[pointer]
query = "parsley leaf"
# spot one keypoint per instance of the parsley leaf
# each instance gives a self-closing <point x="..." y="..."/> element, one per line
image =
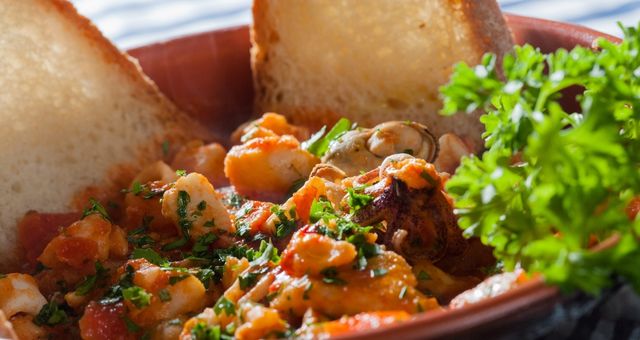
<point x="318" y="145"/>
<point x="95" y="208"/>
<point x="551" y="179"/>
<point x="286" y="223"/>
<point x="225" y="305"/>
<point x="50" y="315"/>
<point x="150" y="255"/>
<point x="202" y="331"/>
<point x="330" y="276"/>
<point x="90" y="281"/>
<point x="357" y="200"/>
<point x="137" y="295"/>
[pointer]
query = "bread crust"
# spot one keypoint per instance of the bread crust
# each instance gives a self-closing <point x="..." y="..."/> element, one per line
<point x="178" y="127"/>
<point x="487" y="22"/>
<point x="485" y="31"/>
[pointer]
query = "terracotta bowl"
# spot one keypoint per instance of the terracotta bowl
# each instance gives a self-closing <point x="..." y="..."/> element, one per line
<point x="209" y="76"/>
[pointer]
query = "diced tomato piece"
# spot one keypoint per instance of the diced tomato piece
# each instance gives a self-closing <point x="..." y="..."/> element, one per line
<point x="104" y="322"/>
<point x="36" y="230"/>
<point x="303" y="200"/>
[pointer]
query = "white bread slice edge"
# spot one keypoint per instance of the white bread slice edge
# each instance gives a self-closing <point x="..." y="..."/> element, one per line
<point x="75" y="113"/>
<point x="371" y="61"/>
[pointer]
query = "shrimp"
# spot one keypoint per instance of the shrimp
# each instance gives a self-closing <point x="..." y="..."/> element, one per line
<point x="206" y="159"/>
<point x="84" y="242"/>
<point x="19" y="294"/>
<point x="268" y="167"/>
<point x="172" y="293"/>
<point x="388" y="277"/>
<point x="194" y="207"/>
<point x="270" y="124"/>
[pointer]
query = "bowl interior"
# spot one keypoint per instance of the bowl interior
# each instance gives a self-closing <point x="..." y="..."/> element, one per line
<point x="208" y="75"/>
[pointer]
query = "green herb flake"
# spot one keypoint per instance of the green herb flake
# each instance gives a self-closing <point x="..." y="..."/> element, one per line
<point x="50" y="315"/>
<point x="357" y="200"/>
<point x="137" y="295"/>
<point x="286" y="223"/>
<point x="225" y="305"/>
<point x="164" y="295"/>
<point x="150" y="255"/>
<point x="89" y="282"/>
<point x="95" y="208"/>
<point x="330" y="276"/>
<point x="181" y="173"/>
<point x="247" y="280"/>
<point x="175" y="279"/>
<point x="319" y="145"/>
<point x="202" y="331"/>
<point x="132" y="327"/>
<point x="423" y="276"/>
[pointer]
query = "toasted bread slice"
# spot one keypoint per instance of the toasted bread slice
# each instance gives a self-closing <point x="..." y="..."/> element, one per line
<point x="76" y="113"/>
<point x="370" y="61"/>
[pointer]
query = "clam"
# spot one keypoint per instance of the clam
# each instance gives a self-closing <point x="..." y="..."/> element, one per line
<point x="365" y="149"/>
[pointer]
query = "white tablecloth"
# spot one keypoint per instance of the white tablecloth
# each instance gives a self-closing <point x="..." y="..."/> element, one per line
<point x="133" y="23"/>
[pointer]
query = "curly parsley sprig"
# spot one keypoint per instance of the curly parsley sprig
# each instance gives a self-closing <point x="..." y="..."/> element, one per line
<point x="551" y="181"/>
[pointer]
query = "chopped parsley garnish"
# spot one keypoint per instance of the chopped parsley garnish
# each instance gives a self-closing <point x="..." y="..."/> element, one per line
<point x="357" y="200"/>
<point x="319" y="145"/>
<point x="164" y="295"/>
<point x="137" y="295"/>
<point x="136" y="188"/>
<point x="132" y="327"/>
<point x="184" y="222"/>
<point x="115" y="292"/>
<point x="423" y="276"/>
<point x="181" y="173"/>
<point x="95" y="208"/>
<point x="205" y="275"/>
<point x="225" y="305"/>
<point x="89" y="282"/>
<point x="202" y="331"/>
<point x="321" y="208"/>
<point x="175" y="279"/>
<point x="267" y="252"/>
<point x="330" y="276"/>
<point x="235" y="201"/>
<point x="50" y="315"/>
<point x="138" y="237"/>
<point x="247" y="280"/>
<point x="285" y="224"/>
<point x="203" y="242"/>
<point x="150" y="255"/>
<point x="552" y="179"/>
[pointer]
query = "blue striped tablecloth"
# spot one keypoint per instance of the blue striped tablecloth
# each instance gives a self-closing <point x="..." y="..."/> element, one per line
<point x="132" y="23"/>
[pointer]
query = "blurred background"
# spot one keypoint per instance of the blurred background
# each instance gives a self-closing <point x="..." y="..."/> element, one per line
<point x="132" y="23"/>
